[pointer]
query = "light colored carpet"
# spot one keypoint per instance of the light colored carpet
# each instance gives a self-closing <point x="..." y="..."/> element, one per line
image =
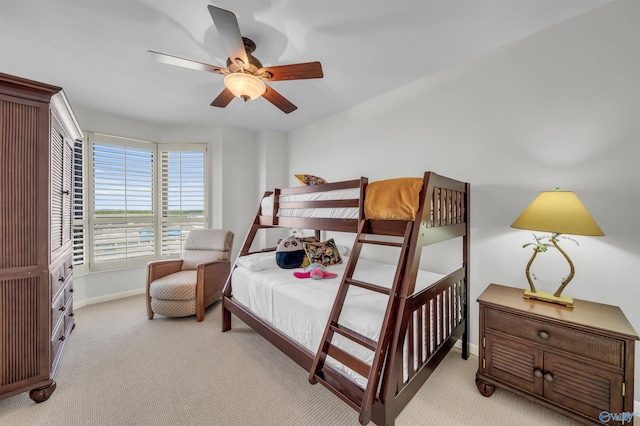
<point x="121" y="369"/>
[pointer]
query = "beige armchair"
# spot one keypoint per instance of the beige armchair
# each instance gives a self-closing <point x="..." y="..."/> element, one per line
<point x="187" y="286"/>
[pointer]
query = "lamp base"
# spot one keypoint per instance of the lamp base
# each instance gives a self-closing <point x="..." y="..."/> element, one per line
<point x="549" y="297"/>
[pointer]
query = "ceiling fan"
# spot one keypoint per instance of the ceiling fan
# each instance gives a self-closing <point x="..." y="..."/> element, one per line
<point x="245" y="76"/>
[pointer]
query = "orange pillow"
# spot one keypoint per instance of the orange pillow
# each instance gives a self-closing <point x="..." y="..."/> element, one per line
<point x="393" y="199"/>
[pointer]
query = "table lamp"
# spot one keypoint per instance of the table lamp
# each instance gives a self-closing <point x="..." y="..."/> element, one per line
<point x="558" y="212"/>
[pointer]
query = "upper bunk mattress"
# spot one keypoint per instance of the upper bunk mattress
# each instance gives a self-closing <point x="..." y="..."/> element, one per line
<point x="391" y="199"/>
<point x="300" y="308"/>
<point x="334" y="213"/>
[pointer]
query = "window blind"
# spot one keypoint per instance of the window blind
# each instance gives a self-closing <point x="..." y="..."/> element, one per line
<point x="79" y="216"/>
<point x="122" y="191"/>
<point x="182" y="203"/>
<point x="135" y="201"/>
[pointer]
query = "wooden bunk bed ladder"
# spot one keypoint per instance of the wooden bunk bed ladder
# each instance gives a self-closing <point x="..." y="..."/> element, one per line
<point x="361" y="402"/>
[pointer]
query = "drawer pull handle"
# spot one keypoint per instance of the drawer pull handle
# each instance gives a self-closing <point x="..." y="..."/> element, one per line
<point x="61" y="279"/>
<point x="70" y="290"/>
<point x="543" y="334"/>
<point x="538" y="373"/>
<point x="70" y="266"/>
<point x="65" y="192"/>
<point x="548" y="377"/>
<point x="71" y="314"/>
<point x="61" y="338"/>
<point x="62" y="308"/>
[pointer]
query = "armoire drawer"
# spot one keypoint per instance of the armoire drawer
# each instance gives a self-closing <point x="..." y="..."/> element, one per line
<point x="69" y="316"/>
<point x="598" y="348"/>
<point x="57" y="338"/>
<point x="58" y="307"/>
<point x="60" y="274"/>
<point x="68" y="291"/>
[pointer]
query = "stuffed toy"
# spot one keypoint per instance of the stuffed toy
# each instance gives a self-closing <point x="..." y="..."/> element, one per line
<point x="290" y="254"/>
<point x="315" y="271"/>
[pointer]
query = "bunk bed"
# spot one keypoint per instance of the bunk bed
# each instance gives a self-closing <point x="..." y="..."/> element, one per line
<point x="416" y="316"/>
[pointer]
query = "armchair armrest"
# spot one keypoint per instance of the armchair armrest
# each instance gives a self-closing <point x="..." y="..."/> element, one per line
<point x="211" y="279"/>
<point x="162" y="268"/>
<point x="214" y="267"/>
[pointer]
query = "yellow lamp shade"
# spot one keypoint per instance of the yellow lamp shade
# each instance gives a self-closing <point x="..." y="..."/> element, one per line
<point x="558" y="212"/>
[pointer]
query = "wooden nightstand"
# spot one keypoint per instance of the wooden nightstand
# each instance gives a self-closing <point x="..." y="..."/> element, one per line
<point x="577" y="361"/>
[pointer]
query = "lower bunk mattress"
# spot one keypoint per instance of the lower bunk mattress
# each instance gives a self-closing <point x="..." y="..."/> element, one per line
<point x="300" y="308"/>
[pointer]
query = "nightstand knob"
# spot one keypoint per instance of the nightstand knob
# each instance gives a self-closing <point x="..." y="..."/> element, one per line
<point x="538" y="373"/>
<point x="548" y="377"/>
<point x="543" y="334"/>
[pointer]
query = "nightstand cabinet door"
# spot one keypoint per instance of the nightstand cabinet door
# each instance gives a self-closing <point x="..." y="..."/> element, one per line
<point x="582" y="386"/>
<point x="514" y="363"/>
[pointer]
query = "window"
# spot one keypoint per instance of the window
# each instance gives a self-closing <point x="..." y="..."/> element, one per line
<point x="182" y="204"/>
<point x="141" y="200"/>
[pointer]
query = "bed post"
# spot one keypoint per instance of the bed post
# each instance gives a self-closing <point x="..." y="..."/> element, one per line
<point x="466" y="261"/>
<point x="244" y="250"/>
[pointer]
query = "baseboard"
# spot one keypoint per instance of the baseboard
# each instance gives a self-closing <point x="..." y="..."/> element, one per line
<point x="93" y="300"/>
<point x="473" y="349"/>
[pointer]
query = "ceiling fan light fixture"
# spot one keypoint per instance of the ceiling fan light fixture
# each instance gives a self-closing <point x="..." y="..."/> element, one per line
<point x="245" y="86"/>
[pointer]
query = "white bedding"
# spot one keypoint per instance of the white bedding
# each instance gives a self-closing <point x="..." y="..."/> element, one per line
<point x="335" y="213"/>
<point x="300" y="307"/>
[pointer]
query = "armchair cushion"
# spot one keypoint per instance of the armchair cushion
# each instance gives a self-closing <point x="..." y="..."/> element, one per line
<point x="174" y="308"/>
<point x="177" y="286"/>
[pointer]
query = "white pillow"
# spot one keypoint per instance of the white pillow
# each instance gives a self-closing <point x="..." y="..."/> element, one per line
<point x="259" y="261"/>
<point x="342" y="249"/>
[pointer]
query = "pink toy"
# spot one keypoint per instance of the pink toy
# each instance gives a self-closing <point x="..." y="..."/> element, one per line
<point x="315" y="271"/>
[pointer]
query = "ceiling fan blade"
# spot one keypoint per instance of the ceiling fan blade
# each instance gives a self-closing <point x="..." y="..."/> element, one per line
<point x="187" y="63"/>
<point x="227" y="25"/>
<point x="278" y="100"/>
<point x="223" y="98"/>
<point x="293" y="71"/>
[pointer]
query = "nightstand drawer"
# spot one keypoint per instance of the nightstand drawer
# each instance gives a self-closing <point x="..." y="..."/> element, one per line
<point x="592" y="346"/>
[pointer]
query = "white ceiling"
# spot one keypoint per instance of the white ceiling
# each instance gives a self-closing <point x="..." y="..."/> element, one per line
<point x="97" y="50"/>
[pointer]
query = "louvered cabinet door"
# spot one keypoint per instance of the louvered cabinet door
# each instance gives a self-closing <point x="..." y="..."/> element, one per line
<point x="585" y="387"/>
<point x="514" y="362"/>
<point x="24" y="281"/>
<point x="61" y="190"/>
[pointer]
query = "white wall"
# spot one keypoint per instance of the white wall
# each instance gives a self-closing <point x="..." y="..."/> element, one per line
<point x="559" y="108"/>
<point x="235" y="186"/>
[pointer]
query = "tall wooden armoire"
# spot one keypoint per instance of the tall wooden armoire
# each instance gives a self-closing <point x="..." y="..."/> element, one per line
<point x="37" y="134"/>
